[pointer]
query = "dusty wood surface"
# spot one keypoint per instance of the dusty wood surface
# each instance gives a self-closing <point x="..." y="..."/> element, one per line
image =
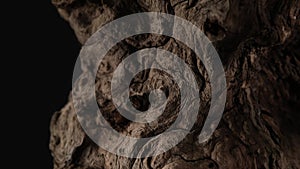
<point x="258" y="42"/>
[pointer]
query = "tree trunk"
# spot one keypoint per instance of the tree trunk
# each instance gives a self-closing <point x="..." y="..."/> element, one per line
<point x="259" y="46"/>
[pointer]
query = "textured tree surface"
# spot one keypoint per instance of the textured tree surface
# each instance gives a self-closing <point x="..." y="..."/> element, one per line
<point x="259" y="45"/>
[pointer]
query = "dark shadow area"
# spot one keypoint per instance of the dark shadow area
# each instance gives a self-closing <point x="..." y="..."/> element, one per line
<point x="49" y="51"/>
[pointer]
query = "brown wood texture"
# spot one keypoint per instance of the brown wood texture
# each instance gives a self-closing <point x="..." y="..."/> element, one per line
<point x="259" y="44"/>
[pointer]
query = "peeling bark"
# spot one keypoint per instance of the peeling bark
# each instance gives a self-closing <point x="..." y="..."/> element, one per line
<point x="258" y="42"/>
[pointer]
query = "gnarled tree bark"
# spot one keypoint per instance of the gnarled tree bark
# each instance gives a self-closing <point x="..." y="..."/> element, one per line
<point x="258" y="42"/>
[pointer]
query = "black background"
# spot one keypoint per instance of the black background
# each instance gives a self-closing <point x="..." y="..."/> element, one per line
<point x="61" y="55"/>
<point x="43" y="50"/>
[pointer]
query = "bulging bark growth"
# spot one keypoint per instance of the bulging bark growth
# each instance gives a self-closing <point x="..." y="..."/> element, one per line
<point x="258" y="42"/>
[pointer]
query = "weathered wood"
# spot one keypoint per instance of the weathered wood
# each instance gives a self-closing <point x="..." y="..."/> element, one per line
<point x="258" y="42"/>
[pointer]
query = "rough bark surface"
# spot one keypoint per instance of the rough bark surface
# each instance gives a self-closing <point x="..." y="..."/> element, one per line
<point x="258" y="42"/>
